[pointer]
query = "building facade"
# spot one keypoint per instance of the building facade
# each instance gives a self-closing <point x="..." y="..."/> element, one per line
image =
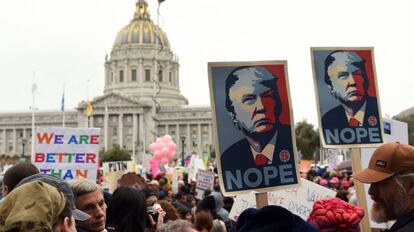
<point x="141" y="100"/>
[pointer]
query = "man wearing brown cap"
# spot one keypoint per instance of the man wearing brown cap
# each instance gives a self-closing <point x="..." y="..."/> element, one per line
<point x="391" y="175"/>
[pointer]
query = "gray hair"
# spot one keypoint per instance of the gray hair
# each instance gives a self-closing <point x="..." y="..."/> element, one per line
<point x="179" y="225"/>
<point x="404" y="180"/>
<point x="81" y="187"/>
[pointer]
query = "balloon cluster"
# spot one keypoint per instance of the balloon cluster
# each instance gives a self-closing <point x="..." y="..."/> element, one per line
<point x="163" y="149"/>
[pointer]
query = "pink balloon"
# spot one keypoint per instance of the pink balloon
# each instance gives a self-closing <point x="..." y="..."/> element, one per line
<point x="152" y="147"/>
<point x="171" y="155"/>
<point x="171" y="145"/>
<point x="164" y="160"/>
<point x="157" y="155"/>
<point x="165" y="151"/>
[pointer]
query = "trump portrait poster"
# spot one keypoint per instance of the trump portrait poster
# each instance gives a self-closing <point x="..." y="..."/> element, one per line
<point x="347" y="97"/>
<point x="255" y="144"/>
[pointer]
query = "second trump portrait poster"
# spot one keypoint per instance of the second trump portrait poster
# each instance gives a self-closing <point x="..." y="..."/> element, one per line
<point x="347" y="97"/>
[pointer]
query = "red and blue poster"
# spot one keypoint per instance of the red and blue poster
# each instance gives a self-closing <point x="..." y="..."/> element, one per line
<point x="252" y="115"/>
<point x="347" y="97"/>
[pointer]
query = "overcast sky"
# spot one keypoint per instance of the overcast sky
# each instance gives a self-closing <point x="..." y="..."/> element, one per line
<point x="65" y="42"/>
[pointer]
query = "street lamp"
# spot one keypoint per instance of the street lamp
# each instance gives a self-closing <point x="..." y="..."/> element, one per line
<point x="182" y="152"/>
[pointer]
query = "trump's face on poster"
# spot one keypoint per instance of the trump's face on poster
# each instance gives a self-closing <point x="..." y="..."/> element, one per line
<point x="253" y="102"/>
<point x="346" y="77"/>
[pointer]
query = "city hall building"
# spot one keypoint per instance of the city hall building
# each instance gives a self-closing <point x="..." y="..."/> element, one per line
<point x="141" y="100"/>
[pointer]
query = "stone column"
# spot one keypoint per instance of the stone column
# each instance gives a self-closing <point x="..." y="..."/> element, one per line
<point x="14" y="140"/>
<point x="210" y="133"/>
<point x="4" y="141"/>
<point x="141" y="72"/>
<point x="120" y="130"/>
<point x="106" y="127"/>
<point x="91" y="121"/>
<point x="200" y="145"/>
<point x="134" y="132"/>
<point x="189" y="145"/>
<point x="141" y="131"/>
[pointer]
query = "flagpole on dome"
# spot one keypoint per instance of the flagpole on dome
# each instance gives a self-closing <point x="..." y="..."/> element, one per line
<point x="88" y="106"/>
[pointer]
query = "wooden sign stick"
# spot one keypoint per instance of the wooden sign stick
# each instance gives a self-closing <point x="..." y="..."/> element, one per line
<point x="261" y="200"/>
<point x="359" y="188"/>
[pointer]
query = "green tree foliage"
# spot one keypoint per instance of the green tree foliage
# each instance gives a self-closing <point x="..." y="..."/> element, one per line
<point x="115" y="153"/>
<point x="307" y="139"/>
<point x="409" y="119"/>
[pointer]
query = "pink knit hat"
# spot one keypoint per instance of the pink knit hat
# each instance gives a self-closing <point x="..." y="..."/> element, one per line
<point x="335" y="215"/>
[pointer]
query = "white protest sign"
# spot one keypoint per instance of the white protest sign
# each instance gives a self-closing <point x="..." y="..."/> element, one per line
<point x="67" y="152"/>
<point x="205" y="180"/>
<point x="297" y="200"/>
<point x="114" y="170"/>
<point x="175" y="181"/>
<point x="195" y="164"/>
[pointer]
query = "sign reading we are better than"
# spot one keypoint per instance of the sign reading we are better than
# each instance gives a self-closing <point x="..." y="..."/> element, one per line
<point x="67" y="152"/>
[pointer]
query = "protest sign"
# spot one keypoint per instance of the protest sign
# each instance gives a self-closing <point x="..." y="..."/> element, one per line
<point x="253" y="122"/>
<point x="114" y="170"/>
<point x="67" y="152"/>
<point x="347" y="97"/>
<point x="196" y="163"/>
<point x="175" y="180"/>
<point x="298" y="200"/>
<point x="205" y="180"/>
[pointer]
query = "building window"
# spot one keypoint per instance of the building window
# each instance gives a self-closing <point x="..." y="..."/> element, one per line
<point x="121" y="75"/>
<point x="114" y="131"/>
<point x="170" y="77"/>
<point x="160" y="76"/>
<point x="133" y="75"/>
<point x="147" y="75"/>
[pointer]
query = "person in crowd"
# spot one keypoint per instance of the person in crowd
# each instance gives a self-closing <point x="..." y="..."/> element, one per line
<point x="218" y="226"/>
<point x="228" y="203"/>
<point x="132" y="179"/>
<point x="221" y="212"/>
<point x="89" y="198"/>
<point x="127" y="210"/>
<point x="15" y="174"/>
<point x="391" y="175"/>
<point x="203" y="221"/>
<point x="271" y="218"/>
<point x="63" y="187"/>
<point x="36" y="206"/>
<point x="208" y="204"/>
<point x="180" y="200"/>
<point x="176" y="226"/>
<point x="151" y="196"/>
<point x="335" y="215"/>
<point x="185" y="214"/>
<point x="171" y="212"/>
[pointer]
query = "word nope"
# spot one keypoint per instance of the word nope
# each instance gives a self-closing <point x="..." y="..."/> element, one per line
<point x="52" y="138"/>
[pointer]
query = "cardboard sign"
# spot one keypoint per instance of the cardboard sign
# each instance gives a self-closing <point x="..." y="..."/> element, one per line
<point x="113" y="171"/>
<point x="253" y="123"/>
<point x="67" y="153"/>
<point x="347" y="97"/>
<point x="297" y="200"/>
<point x="205" y="180"/>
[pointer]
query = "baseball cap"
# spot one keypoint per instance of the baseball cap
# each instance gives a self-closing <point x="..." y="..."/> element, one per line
<point x="63" y="187"/>
<point x="388" y="160"/>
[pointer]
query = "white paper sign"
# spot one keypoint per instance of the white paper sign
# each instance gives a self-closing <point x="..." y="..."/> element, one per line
<point x="205" y="180"/>
<point x="67" y="152"/>
<point x="175" y="181"/>
<point x="297" y="200"/>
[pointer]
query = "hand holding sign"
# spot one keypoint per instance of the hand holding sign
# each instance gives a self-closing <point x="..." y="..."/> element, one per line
<point x="163" y="149"/>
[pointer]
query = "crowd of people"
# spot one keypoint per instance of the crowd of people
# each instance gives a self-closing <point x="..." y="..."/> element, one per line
<point x="39" y="202"/>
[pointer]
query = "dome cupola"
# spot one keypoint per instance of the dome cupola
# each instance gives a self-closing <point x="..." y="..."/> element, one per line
<point x="141" y="30"/>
